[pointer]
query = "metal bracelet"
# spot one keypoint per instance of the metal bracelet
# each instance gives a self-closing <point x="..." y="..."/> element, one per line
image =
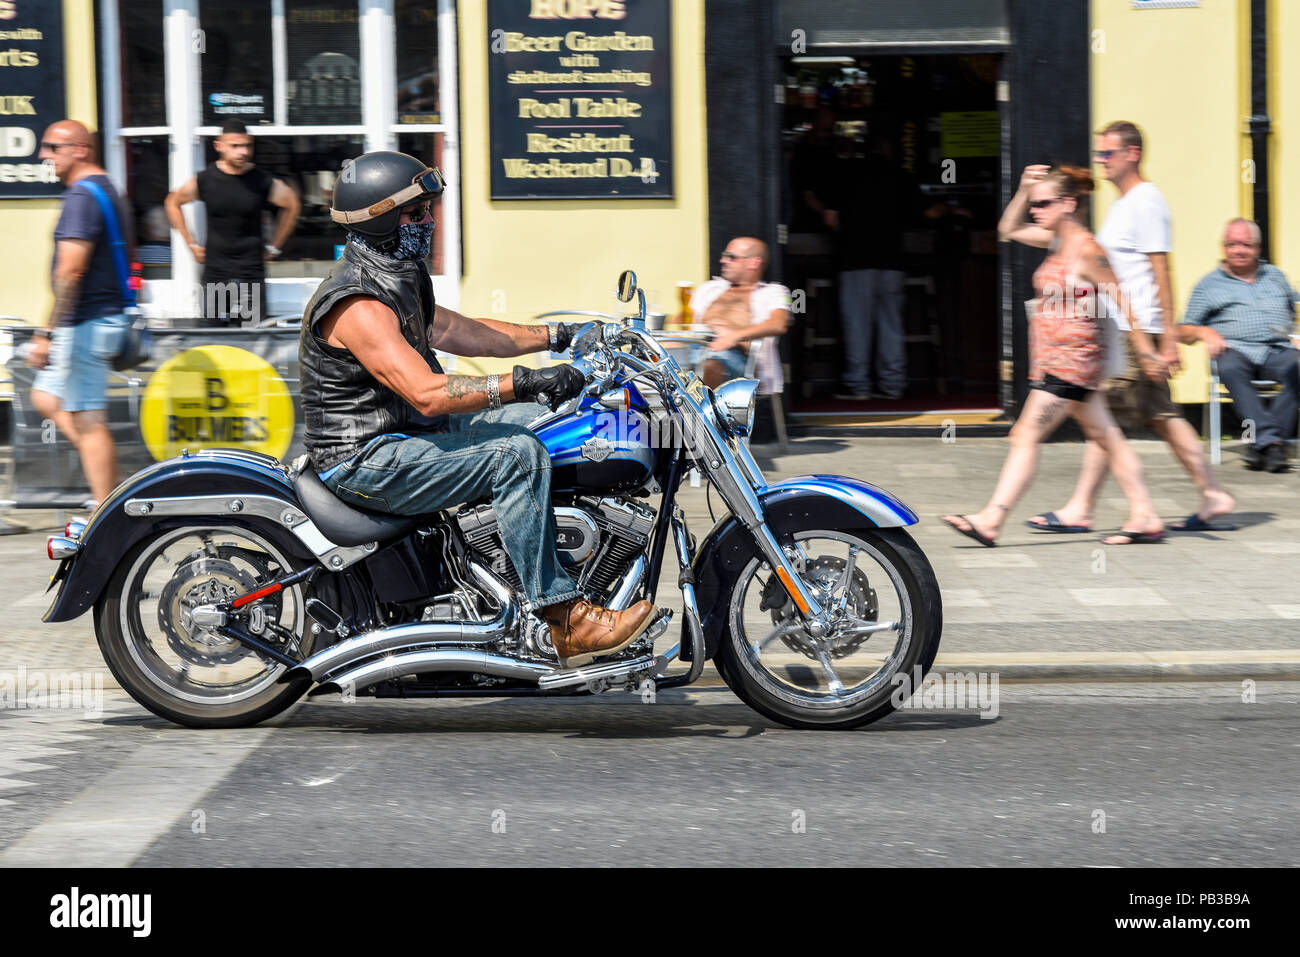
<point x="551" y="329"/>
<point x="494" y="391"/>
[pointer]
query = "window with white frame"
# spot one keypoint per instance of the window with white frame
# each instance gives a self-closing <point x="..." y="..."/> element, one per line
<point x="316" y="82"/>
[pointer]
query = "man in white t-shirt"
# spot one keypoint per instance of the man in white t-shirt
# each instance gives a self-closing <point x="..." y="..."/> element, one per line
<point x="745" y="313"/>
<point x="1137" y="239"/>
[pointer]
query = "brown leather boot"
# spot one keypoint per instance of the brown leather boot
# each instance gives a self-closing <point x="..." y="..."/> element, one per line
<point x="582" y="631"/>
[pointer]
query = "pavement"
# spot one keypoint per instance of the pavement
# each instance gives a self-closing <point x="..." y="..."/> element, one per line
<point x="1039" y="607"/>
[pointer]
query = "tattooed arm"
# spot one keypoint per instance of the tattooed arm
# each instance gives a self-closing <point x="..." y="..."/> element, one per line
<point x="463" y="336"/>
<point x="72" y="259"/>
<point x="370" y="331"/>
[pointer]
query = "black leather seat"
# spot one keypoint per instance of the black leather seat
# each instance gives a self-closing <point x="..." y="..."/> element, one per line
<point x="341" y="523"/>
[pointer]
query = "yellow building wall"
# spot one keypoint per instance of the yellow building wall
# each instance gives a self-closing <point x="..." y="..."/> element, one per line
<point x="27" y="225"/>
<point x="1178" y="74"/>
<point x="1284" y="107"/>
<point x="522" y="257"/>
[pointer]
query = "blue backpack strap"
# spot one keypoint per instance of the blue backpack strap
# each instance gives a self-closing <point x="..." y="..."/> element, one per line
<point x="114" y="237"/>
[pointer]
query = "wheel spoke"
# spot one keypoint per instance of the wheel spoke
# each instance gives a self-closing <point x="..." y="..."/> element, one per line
<point x="868" y="627"/>
<point x="833" y="683"/>
<point x="780" y="631"/>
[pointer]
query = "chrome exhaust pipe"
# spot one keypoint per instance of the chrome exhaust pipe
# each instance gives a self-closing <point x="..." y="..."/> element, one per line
<point x="580" y="676"/>
<point x="628" y="585"/>
<point x="470" y="661"/>
<point x="464" y="660"/>
<point x="398" y="638"/>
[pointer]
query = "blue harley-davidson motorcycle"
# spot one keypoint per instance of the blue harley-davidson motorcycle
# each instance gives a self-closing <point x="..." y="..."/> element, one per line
<point x="225" y="584"/>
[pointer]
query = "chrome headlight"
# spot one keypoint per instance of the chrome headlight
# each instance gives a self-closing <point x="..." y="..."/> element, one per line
<point x="734" y="402"/>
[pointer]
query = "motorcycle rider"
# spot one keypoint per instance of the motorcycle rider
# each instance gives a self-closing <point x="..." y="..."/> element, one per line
<point x="387" y="430"/>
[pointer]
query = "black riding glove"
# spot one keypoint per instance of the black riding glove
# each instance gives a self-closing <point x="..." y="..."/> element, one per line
<point x="562" y="335"/>
<point x="555" y="384"/>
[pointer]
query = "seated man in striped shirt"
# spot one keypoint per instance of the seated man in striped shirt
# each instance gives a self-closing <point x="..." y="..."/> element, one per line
<point x="1244" y="312"/>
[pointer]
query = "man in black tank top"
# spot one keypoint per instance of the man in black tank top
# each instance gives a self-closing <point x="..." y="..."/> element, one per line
<point x="387" y="430"/>
<point x="235" y="192"/>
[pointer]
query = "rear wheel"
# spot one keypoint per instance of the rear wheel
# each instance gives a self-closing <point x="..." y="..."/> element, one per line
<point x="886" y="614"/>
<point x="185" y="671"/>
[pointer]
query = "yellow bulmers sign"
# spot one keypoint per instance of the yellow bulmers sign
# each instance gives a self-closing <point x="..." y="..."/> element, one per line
<point x="216" y="397"/>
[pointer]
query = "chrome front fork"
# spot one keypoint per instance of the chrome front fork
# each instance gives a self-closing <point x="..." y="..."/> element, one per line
<point x="725" y="471"/>
<point x="739" y="479"/>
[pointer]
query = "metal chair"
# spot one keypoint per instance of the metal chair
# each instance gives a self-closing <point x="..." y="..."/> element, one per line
<point x="1267" y="388"/>
<point x="778" y="406"/>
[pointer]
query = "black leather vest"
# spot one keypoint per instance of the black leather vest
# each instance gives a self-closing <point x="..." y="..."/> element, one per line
<point x="344" y="406"/>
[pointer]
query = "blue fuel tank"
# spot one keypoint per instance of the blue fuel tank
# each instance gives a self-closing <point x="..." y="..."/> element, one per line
<point x="599" y="450"/>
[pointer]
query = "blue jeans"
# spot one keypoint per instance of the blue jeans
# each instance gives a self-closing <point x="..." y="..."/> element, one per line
<point x="489" y="454"/>
<point x="734" y="360"/>
<point x="871" y="309"/>
<point x="1273" y="422"/>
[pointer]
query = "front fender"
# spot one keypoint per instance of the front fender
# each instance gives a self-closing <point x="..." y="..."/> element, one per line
<point x="803" y="502"/>
<point x="111" y="533"/>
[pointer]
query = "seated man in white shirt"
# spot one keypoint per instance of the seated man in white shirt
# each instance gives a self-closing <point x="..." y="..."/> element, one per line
<point x="744" y="312"/>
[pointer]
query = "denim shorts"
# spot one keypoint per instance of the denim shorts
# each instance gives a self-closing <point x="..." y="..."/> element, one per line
<point x="80" y="356"/>
<point x="734" y="360"/>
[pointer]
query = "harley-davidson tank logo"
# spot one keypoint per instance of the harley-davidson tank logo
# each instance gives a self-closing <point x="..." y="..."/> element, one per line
<point x="597" y="449"/>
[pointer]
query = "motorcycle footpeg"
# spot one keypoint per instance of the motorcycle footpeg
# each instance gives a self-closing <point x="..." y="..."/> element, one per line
<point x="663" y="618"/>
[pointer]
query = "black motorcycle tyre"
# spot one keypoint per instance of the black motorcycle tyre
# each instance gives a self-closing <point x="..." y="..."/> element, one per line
<point x="898" y="547"/>
<point x="113" y="645"/>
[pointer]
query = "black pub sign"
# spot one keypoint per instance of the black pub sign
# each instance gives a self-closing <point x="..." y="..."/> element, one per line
<point x="31" y="94"/>
<point x="580" y="99"/>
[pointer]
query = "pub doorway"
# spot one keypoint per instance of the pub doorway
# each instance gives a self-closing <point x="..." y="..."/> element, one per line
<point x="933" y="122"/>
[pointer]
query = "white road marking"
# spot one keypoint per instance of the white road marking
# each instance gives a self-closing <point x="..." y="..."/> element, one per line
<point x="1274" y="548"/>
<point x="118" y="817"/>
<point x="1136" y="597"/>
<point x="996" y="559"/>
<point x="964" y="598"/>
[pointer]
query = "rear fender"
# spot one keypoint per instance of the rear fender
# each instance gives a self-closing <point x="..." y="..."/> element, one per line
<point x="115" y="528"/>
<point x="804" y="502"/>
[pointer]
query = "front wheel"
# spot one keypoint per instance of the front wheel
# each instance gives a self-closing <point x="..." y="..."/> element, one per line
<point x="887" y="617"/>
<point x="180" y="669"/>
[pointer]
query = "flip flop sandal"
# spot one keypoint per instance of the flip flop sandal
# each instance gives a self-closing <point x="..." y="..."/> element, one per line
<point x="1194" y="523"/>
<point x="971" y="532"/>
<point x="1136" y="538"/>
<point x="1051" y="523"/>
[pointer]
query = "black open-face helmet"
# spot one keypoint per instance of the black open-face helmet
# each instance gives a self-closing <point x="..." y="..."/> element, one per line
<point x="372" y="189"/>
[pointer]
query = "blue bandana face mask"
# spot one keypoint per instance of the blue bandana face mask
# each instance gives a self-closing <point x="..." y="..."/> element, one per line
<point x="413" y="242"/>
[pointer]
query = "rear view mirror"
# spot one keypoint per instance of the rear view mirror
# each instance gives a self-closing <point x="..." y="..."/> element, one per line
<point x="626" y="286"/>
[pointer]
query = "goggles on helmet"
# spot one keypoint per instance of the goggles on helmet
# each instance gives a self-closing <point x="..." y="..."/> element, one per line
<point x="426" y="183"/>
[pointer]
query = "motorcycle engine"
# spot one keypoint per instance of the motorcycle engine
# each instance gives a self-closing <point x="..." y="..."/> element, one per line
<point x="596" y="538"/>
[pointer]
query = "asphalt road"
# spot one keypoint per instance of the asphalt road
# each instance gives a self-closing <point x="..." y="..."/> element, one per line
<point x="1165" y="774"/>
